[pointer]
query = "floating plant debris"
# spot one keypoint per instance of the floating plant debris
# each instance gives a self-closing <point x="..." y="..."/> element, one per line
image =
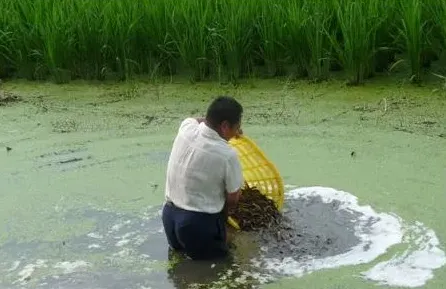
<point x="255" y="211"/>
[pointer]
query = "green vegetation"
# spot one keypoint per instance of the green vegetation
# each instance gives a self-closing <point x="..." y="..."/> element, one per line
<point x="225" y="40"/>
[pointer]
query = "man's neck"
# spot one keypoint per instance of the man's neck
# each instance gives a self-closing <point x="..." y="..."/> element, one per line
<point x="213" y="128"/>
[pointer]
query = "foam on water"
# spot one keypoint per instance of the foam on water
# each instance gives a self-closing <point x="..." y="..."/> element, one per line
<point x="28" y="271"/>
<point x="95" y="236"/>
<point x="377" y="232"/>
<point x="414" y="267"/>
<point x="14" y="266"/>
<point x="70" y="267"/>
<point x="94" y="246"/>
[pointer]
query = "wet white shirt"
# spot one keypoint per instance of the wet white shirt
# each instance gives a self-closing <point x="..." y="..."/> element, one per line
<point x="202" y="168"/>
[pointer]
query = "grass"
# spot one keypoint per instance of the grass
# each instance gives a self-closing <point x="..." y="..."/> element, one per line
<point x="413" y="31"/>
<point x="224" y="40"/>
<point x="358" y="23"/>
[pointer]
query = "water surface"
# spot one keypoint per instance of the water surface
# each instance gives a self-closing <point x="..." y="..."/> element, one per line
<point x="83" y="183"/>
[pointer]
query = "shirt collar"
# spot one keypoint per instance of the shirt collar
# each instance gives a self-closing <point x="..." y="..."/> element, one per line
<point x="209" y="132"/>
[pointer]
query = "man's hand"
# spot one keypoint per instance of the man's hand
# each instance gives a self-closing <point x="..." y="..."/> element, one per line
<point x="239" y="133"/>
<point x="232" y="199"/>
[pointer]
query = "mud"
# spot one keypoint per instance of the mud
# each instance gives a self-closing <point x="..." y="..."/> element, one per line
<point x="8" y="98"/>
<point x="310" y="228"/>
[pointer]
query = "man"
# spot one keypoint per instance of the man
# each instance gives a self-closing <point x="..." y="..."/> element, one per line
<point x="204" y="178"/>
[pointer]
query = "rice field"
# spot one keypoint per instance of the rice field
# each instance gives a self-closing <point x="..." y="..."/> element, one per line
<point x="219" y="39"/>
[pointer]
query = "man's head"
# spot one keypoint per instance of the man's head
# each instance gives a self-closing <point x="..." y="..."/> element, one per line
<point x="224" y="115"/>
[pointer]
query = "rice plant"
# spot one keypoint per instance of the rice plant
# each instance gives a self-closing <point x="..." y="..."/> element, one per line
<point x="157" y="50"/>
<point x="55" y="29"/>
<point x="437" y="9"/>
<point x="437" y="12"/>
<point x="358" y="23"/>
<point x="191" y="26"/>
<point x="6" y="41"/>
<point x="413" y="30"/>
<point x="385" y="52"/>
<point x="226" y="39"/>
<point x="120" y="32"/>
<point x="27" y="43"/>
<point x="234" y="36"/>
<point x="319" y="20"/>
<point x="271" y="29"/>
<point x="90" y="48"/>
<point x="6" y="44"/>
<point x="297" y="49"/>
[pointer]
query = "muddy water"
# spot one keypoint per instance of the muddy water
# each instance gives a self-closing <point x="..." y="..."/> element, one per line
<point x="311" y="228"/>
<point x="124" y="251"/>
<point x="82" y="183"/>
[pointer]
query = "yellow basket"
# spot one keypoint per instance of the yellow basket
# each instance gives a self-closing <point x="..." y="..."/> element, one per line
<point x="258" y="171"/>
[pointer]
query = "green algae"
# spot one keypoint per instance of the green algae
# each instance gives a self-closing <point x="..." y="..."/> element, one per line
<point x="397" y="135"/>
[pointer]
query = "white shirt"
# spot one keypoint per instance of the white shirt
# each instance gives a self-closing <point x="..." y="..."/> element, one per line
<point x="202" y="168"/>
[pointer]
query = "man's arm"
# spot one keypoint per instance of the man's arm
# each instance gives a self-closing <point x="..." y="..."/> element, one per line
<point x="232" y="199"/>
<point x="233" y="180"/>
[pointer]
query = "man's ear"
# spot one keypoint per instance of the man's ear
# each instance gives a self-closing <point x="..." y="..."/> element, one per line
<point x="225" y="124"/>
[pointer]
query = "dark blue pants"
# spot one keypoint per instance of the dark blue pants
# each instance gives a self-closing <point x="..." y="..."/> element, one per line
<point x="200" y="235"/>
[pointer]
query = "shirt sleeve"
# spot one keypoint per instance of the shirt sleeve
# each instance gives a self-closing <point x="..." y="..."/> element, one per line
<point x="233" y="174"/>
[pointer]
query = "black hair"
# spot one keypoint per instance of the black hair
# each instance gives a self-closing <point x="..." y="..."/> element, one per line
<point x="224" y="108"/>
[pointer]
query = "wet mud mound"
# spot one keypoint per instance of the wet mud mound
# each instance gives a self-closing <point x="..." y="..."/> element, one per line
<point x="309" y="227"/>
